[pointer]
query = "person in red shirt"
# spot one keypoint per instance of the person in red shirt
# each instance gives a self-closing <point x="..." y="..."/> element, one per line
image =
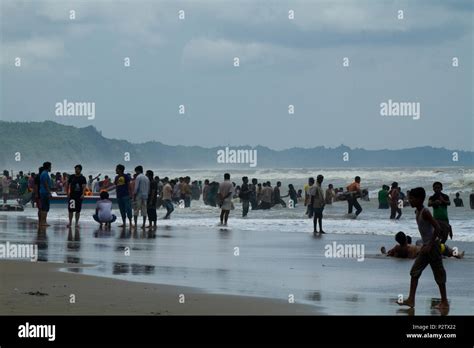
<point x="354" y="190"/>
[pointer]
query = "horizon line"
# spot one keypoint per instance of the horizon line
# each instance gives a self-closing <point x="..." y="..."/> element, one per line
<point x="243" y="146"/>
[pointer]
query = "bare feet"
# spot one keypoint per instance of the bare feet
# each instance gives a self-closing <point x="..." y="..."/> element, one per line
<point x="442" y="305"/>
<point x="407" y="302"/>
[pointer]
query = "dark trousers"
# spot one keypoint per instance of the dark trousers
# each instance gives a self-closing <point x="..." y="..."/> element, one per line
<point x="280" y="201"/>
<point x="187" y="201"/>
<point x="151" y="213"/>
<point x="253" y="203"/>
<point x="245" y="207"/>
<point x="309" y="210"/>
<point x="125" y="207"/>
<point x="352" y="203"/>
<point x="169" y="207"/>
<point x="395" y="211"/>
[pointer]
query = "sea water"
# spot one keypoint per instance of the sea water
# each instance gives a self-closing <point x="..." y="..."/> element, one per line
<point x="271" y="253"/>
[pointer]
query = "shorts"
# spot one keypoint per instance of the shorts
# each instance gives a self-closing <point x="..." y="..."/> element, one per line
<point x="139" y="204"/>
<point x="74" y="204"/>
<point x="96" y="218"/>
<point x="432" y="258"/>
<point x="44" y="199"/>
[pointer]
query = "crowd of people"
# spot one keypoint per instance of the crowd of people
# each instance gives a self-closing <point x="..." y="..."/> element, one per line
<point x="142" y="193"/>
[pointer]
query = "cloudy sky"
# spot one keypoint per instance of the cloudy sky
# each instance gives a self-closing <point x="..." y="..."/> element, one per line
<point x="283" y="61"/>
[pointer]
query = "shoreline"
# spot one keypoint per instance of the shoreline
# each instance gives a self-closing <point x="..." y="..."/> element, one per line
<point x="30" y="288"/>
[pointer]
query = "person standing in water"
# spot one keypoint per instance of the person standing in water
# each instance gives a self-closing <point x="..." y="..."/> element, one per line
<point x="307" y="197"/>
<point x="76" y="187"/>
<point x="152" y="200"/>
<point x="5" y="186"/>
<point x="266" y="197"/>
<point x="245" y="196"/>
<point x="293" y="196"/>
<point x="205" y="192"/>
<point x="330" y="194"/>
<point x="440" y="202"/>
<point x="383" y="197"/>
<point x="124" y="192"/>
<point x="253" y="193"/>
<point x="429" y="254"/>
<point x="317" y="203"/>
<point x="394" y="196"/>
<point x="226" y="189"/>
<point x="45" y="186"/>
<point x="36" y="190"/>
<point x="354" y="191"/>
<point x="167" y="198"/>
<point x="458" y="201"/>
<point x="140" y="193"/>
<point x="277" y="195"/>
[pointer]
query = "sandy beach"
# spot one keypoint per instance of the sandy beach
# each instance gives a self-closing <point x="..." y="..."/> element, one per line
<point x="40" y="289"/>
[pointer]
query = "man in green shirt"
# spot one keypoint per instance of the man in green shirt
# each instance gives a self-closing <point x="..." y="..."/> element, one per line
<point x="22" y="184"/>
<point x="383" y="197"/>
<point x="439" y="201"/>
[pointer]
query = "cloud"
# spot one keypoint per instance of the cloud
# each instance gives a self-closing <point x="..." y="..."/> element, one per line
<point x="211" y="54"/>
<point x="32" y="50"/>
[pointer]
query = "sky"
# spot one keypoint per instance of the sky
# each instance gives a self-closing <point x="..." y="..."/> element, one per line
<point x="282" y="61"/>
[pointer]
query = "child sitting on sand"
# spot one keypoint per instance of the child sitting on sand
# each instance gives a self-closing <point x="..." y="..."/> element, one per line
<point x="403" y="249"/>
<point x="103" y="211"/>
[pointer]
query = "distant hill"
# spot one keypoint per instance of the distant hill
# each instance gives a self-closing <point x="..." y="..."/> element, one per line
<point x="68" y="145"/>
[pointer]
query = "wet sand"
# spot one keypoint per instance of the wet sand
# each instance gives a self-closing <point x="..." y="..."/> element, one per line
<point x="271" y="266"/>
<point x="29" y="288"/>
